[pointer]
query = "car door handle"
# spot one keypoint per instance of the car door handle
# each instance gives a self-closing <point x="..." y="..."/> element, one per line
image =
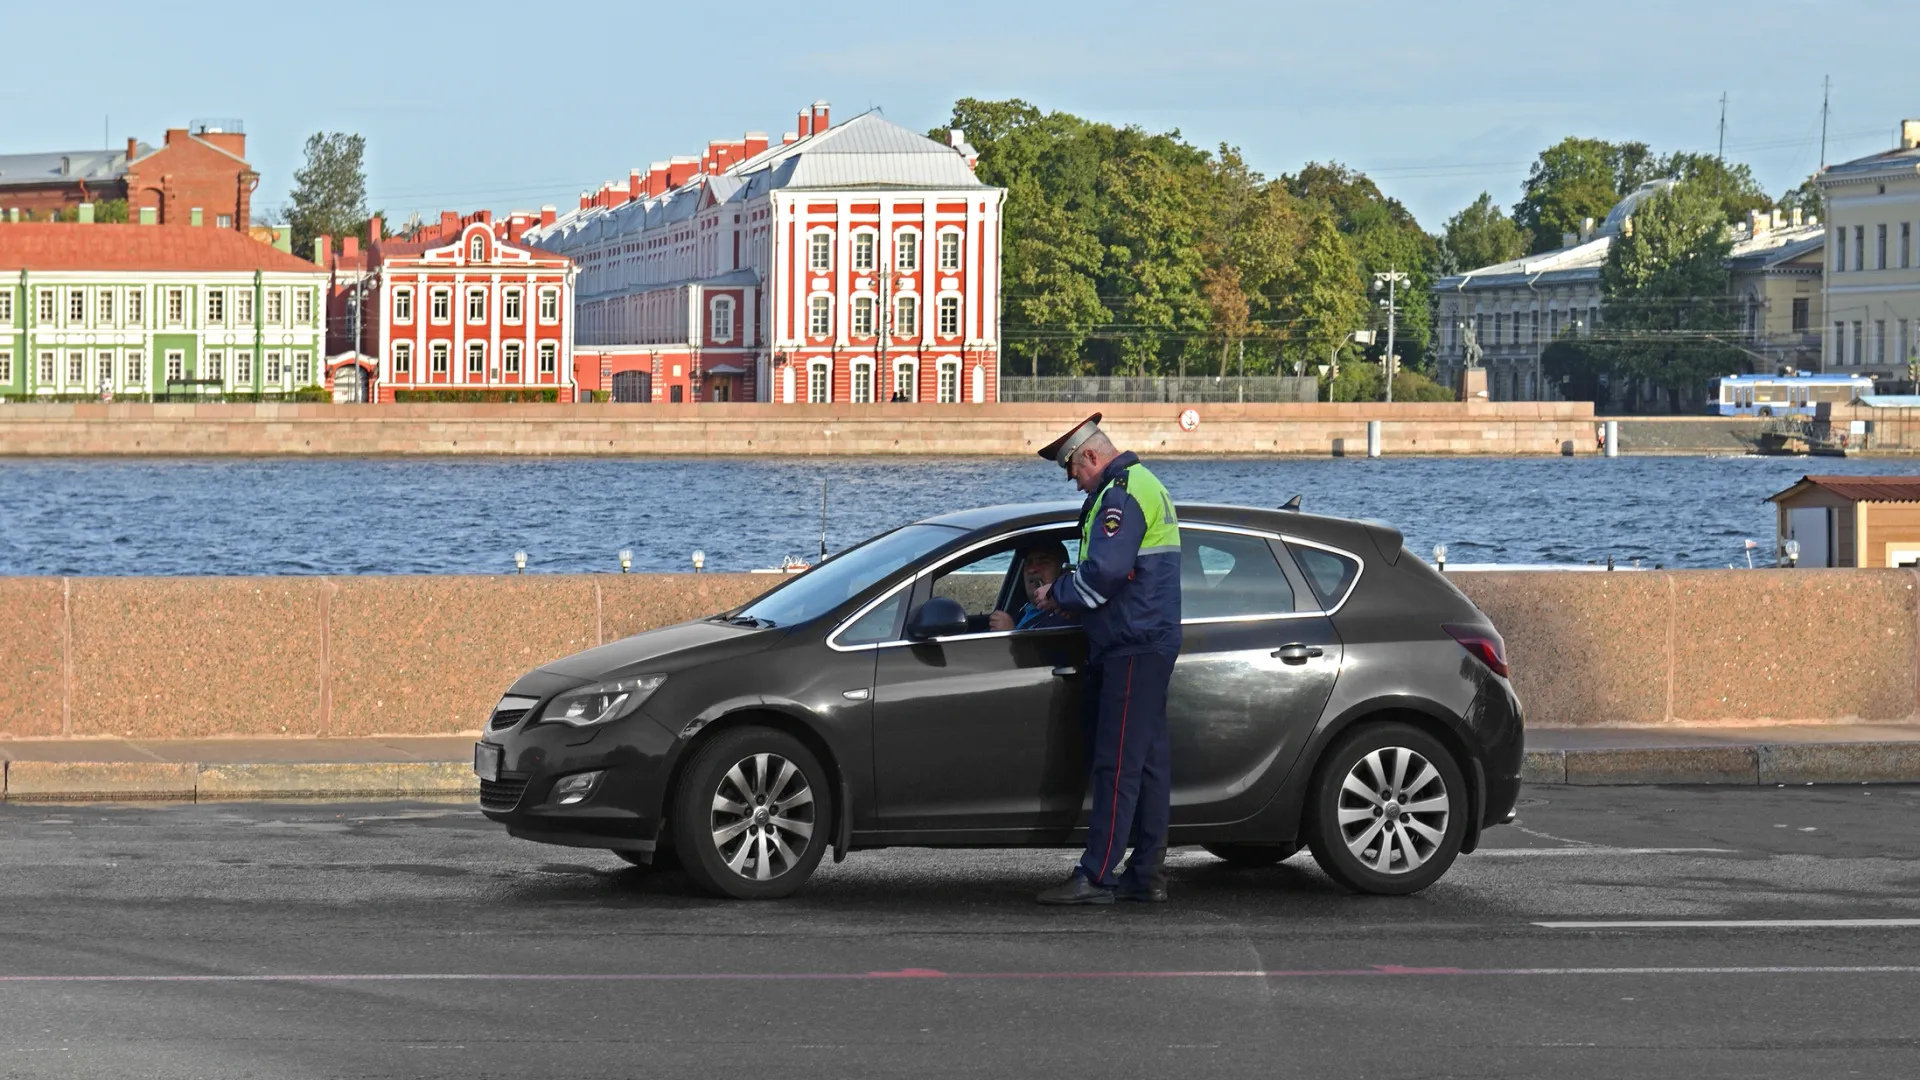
<point x="1297" y="653"/>
<point x="1065" y="671"/>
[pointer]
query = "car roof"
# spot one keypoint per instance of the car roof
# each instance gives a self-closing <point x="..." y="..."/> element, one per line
<point x="1342" y="531"/>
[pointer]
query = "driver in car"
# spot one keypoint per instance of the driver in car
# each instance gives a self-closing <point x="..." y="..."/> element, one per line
<point x="1042" y="565"/>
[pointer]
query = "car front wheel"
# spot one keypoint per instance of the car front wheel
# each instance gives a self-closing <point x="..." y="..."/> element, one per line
<point x="752" y="814"/>
<point x="1388" y="810"/>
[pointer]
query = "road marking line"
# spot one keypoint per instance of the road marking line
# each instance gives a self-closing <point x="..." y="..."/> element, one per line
<point x="1591" y="851"/>
<point x="1729" y="924"/>
<point x="926" y="974"/>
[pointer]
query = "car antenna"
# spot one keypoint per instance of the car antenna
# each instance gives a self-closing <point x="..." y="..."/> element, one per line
<point x="823" y="517"/>
<point x="1292" y="504"/>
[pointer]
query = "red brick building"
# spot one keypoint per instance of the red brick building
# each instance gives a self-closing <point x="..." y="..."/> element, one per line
<point x="199" y="169"/>
<point x="846" y="264"/>
<point x="461" y="306"/>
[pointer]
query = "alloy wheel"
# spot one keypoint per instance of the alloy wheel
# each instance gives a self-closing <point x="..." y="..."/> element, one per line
<point x="1393" y="810"/>
<point x="763" y="816"/>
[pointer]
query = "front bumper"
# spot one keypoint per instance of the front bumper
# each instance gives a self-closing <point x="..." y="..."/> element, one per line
<point x="624" y="810"/>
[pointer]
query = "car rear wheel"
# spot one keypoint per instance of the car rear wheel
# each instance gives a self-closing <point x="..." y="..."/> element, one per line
<point x="1388" y="810"/>
<point x="1251" y="854"/>
<point x="752" y="814"/>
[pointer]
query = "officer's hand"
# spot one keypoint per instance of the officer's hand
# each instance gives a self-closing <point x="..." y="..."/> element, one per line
<point x="1043" y="598"/>
<point x="999" y="620"/>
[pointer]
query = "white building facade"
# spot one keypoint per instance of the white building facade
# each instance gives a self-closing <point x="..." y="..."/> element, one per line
<point x="857" y="263"/>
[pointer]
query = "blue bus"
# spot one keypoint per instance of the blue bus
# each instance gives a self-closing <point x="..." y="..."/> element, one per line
<point x="1782" y="395"/>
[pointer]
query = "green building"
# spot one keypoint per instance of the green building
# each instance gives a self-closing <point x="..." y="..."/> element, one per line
<point x="154" y="311"/>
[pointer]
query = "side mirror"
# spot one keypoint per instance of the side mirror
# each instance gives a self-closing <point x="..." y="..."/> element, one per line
<point x="938" y="617"/>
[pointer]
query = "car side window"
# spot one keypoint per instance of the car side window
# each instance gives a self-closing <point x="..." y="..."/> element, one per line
<point x="975" y="585"/>
<point x="1225" y="574"/>
<point x="880" y="624"/>
<point x="1331" y="575"/>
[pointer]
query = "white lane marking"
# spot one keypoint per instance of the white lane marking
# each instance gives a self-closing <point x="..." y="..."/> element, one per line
<point x="1591" y="851"/>
<point x="1729" y="924"/>
<point x="1550" y="836"/>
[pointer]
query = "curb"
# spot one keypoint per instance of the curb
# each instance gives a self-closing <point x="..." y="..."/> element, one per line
<point x="1749" y="765"/>
<point x="48" y="781"/>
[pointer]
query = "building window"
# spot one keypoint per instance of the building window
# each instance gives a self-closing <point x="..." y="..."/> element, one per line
<point x="512" y="352"/>
<point x="1499" y="326"/>
<point x="216" y="307"/>
<point x="1839" y="249"/>
<point x="862" y="316"/>
<point x="403" y="305"/>
<point x="136" y="307"/>
<point x="243" y="369"/>
<point x="476" y="358"/>
<point x="549" y="306"/>
<point x="438" y="358"/>
<point x="106" y="307"/>
<point x="76" y="369"/>
<point x="1800" y="314"/>
<point x="949" y="390"/>
<point x="103" y="365"/>
<point x="906" y="316"/>
<point x="242" y="307"/>
<point x="477" y="249"/>
<point x="1879" y="341"/>
<point x="820" y="316"/>
<point x="76" y="307"/>
<point x="302" y="369"/>
<point x="46" y="368"/>
<point x="273" y="369"/>
<point x="906" y="251"/>
<point x="276" y="307"/>
<point x="903" y="381"/>
<point x="476" y="305"/>
<point x="949" y="315"/>
<point x="1906" y="244"/>
<point x="1859" y="247"/>
<point x="6" y="367"/>
<point x="45" y="314"/>
<point x="510" y="306"/>
<point x="863" y="251"/>
<point x="303" y="307"/>
<point x="723" y="318"/>
<point x="224" y="221"/>
<point x="549" y="354"/>
<point x="819" y="389"/>
<point x="176" y="365"/>
<point x="820" y="251"/>
<point x="949" y="251"/>
<point x="136" y="369"/>
<point x="1859" y="342"/>
<point x="402" y="357"/>
<point x="214" y="366"/>
<point x="6" y="306"/>
<point x="1880" y="248"/>
<point x="863" y="382"/>
<point x="1839" y="342"/>
<point x="442" y="305"/>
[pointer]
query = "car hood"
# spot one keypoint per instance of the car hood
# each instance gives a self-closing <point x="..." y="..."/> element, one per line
<point x="668" y="649"/>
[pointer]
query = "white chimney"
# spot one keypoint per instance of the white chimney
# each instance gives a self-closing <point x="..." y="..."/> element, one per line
<point x="1910" y="134"/>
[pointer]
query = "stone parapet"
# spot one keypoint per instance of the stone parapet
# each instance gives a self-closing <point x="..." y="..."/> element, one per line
<point x="173" y="658"/>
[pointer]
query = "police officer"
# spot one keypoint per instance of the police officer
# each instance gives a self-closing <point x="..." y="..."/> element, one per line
<point x="1126" y="590"/>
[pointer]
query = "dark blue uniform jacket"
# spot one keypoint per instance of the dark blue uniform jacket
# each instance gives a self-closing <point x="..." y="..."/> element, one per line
<point x="1129" y="601"/>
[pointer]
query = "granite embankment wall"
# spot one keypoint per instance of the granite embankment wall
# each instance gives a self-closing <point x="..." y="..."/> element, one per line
<point x="201" y="657"/>
<point x="751" y="428"/>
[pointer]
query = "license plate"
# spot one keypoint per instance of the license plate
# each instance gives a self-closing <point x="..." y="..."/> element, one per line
<point x="486" y="761"/>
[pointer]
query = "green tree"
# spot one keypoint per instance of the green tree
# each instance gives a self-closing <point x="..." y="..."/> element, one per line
<point x="1482" y="235"/>
<point x="329" y="191"/>
<point x="105" y="212"/>
<point x="1732" y="185"/>
<point x="1804" y="197"/>
<point x="1576" y="179"/>
<point x="1384" y="237"/>
<point x="1327" y="302"/>
<point x="1051" y="263"/>
<point x="1154" y="263"/>
<point x="1664" y="286"/>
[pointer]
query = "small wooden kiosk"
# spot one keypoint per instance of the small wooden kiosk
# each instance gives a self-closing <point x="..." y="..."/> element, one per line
<point x="1850" y="521"/>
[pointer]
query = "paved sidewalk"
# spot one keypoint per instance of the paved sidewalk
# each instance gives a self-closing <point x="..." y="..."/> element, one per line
<point x="206" y="770"/>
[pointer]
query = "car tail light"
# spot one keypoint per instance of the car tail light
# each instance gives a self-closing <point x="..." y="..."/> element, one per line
<point x="1485" y="645"/>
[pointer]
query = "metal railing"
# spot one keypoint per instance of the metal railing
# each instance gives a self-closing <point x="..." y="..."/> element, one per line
<point x="1120" y="388"/>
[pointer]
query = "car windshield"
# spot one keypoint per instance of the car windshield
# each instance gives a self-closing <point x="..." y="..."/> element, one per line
<point x="844" y="576"/>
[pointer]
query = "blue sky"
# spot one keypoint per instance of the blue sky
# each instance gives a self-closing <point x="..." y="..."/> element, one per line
<point x="507" y="105"/>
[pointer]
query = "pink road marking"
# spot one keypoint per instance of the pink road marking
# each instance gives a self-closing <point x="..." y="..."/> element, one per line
<point x="1378" y="971"/>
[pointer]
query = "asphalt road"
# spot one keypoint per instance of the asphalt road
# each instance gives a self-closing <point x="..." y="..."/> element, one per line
<point x="417" y="940"/>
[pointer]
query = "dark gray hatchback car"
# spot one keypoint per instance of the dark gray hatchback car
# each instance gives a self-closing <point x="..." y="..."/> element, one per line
<point x="1333" y="691"/>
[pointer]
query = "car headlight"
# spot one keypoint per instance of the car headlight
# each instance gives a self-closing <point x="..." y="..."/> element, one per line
<point x="602" y="702"/>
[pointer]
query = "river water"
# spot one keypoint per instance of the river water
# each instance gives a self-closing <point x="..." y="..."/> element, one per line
<point x="469" y="515"/>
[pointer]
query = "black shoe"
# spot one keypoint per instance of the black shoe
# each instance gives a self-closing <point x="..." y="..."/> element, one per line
<point x="1153" y="890"/>
<point x="1077" y="890"/>
<point x="1151" y="894"/>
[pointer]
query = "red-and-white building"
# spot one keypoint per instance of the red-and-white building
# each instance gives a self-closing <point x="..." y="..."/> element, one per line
<point x="849" y="263"/>
<point x="460" y="306"/>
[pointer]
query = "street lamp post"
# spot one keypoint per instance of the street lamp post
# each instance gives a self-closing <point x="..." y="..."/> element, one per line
<point x="1392" y="279"/>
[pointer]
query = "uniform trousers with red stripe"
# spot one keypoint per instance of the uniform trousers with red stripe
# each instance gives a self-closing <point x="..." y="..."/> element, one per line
<point x="1124" y="711"/>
